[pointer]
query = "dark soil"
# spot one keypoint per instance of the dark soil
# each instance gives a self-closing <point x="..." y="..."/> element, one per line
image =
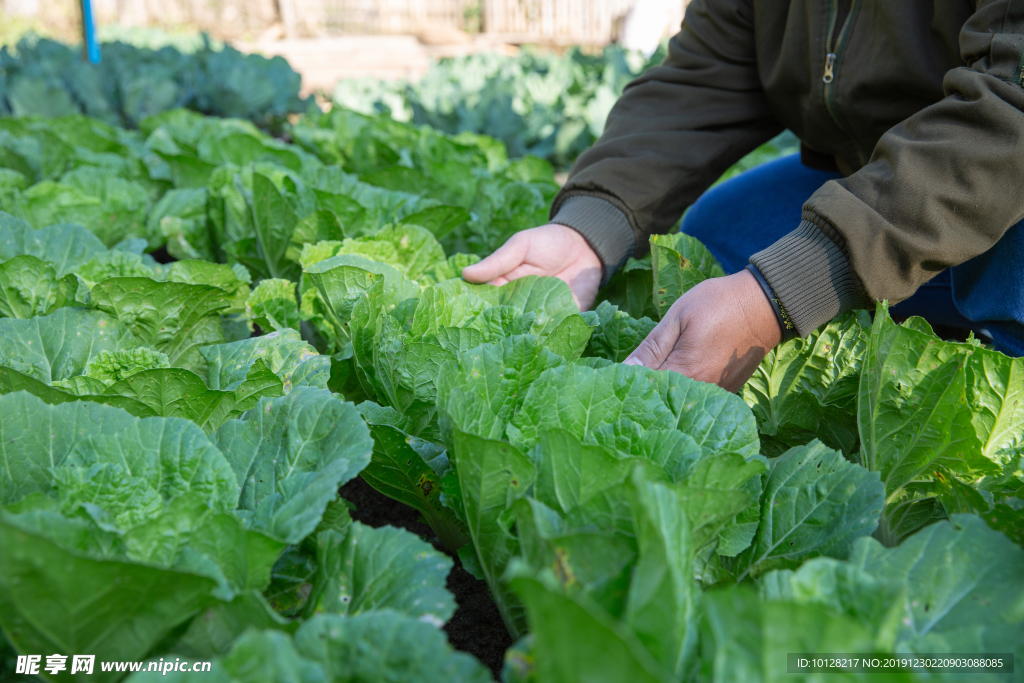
<point x="476" y="627"/>
<point x="161" y="256"/>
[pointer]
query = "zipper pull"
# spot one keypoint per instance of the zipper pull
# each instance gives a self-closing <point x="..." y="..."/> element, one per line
<point x="830" y="62"/>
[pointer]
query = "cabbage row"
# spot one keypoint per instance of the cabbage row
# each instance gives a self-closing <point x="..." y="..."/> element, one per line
<point x="537" y="103"/>
<point x="42" y="77"/>
<point x="205" y="332"/>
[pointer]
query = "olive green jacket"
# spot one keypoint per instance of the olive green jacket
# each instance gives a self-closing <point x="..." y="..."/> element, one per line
<point x="918" y="101"/>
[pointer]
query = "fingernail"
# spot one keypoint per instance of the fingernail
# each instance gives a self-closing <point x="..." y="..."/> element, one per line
<point x="632" y="361"/>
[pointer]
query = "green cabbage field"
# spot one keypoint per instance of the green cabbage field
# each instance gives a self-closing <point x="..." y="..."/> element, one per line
<point x="206" y="331"/>
<point x="42" y="77"/>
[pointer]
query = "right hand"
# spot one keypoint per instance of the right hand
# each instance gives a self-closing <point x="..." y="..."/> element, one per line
<point x="551" y="249"/>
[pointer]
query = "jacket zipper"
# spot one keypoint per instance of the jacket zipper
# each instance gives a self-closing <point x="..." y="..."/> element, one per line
<point x="1020" y="68"/>
<point x="840" y="14"/>
<point x="838" y="17"/>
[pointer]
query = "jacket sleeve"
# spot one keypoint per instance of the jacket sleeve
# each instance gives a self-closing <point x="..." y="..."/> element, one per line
<point x="673" y="132"/>
<point x="940" y="188"/>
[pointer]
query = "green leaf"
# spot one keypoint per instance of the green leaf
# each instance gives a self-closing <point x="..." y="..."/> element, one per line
<point x="291" y="580"/>
<point x="680" y="262"/>
<point x="174" y="318"/>
<point x="315" y="252"/>
<point x="913" y="415"/>
<point x="342" y="279"/>
<point x="385" y="646"/>
<point x="60" y="345"/>
<point x="112" y="208"/>
<point x="256" y="656"/>
<point x="151" y="502"/>
<point x="747" y="639"/>
<point x="410" y="248"/>
<point x="155" y="462"/>
<point x="661" y="608"/>
<point x="575" y="640"/>
<point x="439" y="220"/>
<point x="617" y="334"/>
<point x="579" y="399"/>
<point x="174" y="392"/>
<point x="48" y="600"/>
<point x="186" y="535"/>
<point x="995" y="394"/>
<point x="548" y="297"/>
<point x="186" y="171"/>
<point x="369" y="570"/>
<point x="319" y="227"/>
<point x="591" y="549"/>
<point x="737" y="535"/>
<point x="285" y="353"/>
<point x="1008" y="520"/>
<point x="113" y="366"/>
<point x="570" y="473"/>
<point x="62" y="246"/>
<point x="569" y="338"/>
<point x="115" y="263"/>
<point x="674" y="452"/>
<point x="179" y="217"/>
<point x="453" y="303"/>
<point x="844" y="589"/>
<point x="234" y="280"/>
<point x="491" y="324"/>
<point x="385" y="305"/>
<point x="958" y="497"/>
<point x="269" y="655"/>
<point x="402" y="468"/>
<point x="814" y="503"/>
<point x="716" y="419"/>
<point x="806" y="389"/>
<point x="449" y="269"/>
<point x="903" y="518"/>
<point x="718" y="489"/>
<point x="487" y="385"/>
<point x="214" y="631"/>
<point x="30" y="288"/>
<point x="273" y="305"/>
<point x="964" y="587"/>
<point x="64" y="391"/>
<point x="631" y="288"/>
<point x="492" y="475"/>
<point x="404" y="373"/>
<point x="275" y="222"/>
<point x="290" y="455"/>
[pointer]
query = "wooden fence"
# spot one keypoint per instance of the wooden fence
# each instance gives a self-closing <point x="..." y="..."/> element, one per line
<point x="557" y="21"/>
<point x="564" y="22"/>
<point x="380" y="16"/>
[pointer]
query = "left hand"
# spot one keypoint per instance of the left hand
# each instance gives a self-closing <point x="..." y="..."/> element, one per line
<point x="718" y="332"/>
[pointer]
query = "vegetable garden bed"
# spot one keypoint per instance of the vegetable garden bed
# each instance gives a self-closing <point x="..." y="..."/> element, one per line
<point x="169" y="480"/>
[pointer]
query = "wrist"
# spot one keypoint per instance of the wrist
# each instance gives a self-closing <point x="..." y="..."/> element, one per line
<point x="772" y="321"/>
<point x="581" y="247"/>
<point x="605" y="228"/>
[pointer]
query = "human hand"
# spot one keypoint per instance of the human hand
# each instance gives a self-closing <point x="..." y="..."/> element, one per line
<point x="551" y="249"/>
<point x="717" y="332"/>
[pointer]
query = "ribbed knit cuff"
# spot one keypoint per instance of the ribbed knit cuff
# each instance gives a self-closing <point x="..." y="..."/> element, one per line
<point x="603" y="225"/>
<point x="811" y="277"/>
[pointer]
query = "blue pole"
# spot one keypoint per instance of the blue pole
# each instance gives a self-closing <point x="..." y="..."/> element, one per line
<point x="92" y="44"/>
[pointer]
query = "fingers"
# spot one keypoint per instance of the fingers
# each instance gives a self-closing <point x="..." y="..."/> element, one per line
<point x="506" y="259"/>
<point x="584" y="284"/>
<point x="653" y="350"/>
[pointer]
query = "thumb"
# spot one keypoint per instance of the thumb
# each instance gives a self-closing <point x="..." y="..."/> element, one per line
<point x="653" y="350"/>
<point x="506" y="259"/>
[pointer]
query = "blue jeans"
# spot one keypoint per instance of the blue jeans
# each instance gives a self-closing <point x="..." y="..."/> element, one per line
<point x="751" y="211"/>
